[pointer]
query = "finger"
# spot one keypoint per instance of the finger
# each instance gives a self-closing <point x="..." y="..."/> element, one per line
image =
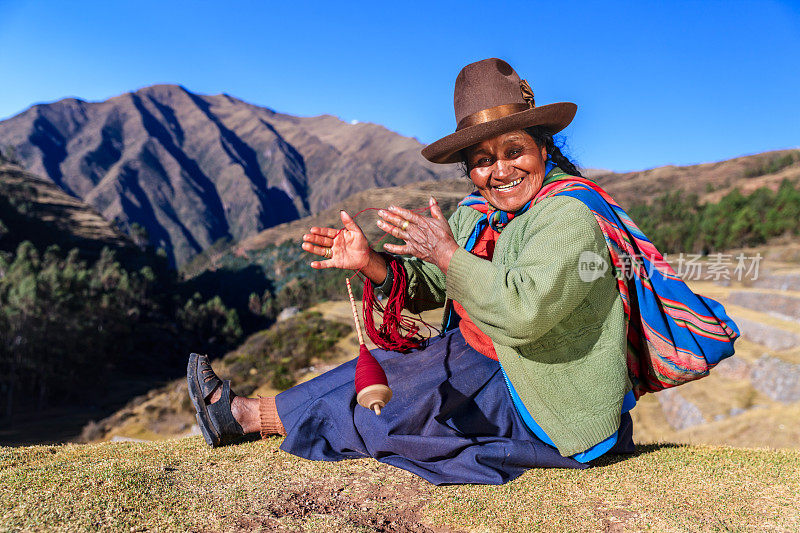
<point x="402" y="249"/>
<point x="325" y="232"/>
<point x="436" y="211"/>
<point x="391" y="218"/>
<point x="394" y="231"/>
<point x="349" y="223"/>
<point x="406" y="214"/>
<point x="328" y="263"/>
<point x="318" y="250"/>
<point x="319" y="240"/>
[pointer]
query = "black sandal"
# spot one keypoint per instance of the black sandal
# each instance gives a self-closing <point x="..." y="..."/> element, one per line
<point x="215" y="420"/>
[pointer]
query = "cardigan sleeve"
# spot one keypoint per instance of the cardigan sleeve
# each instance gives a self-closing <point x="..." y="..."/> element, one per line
<point x="517" y="302"/>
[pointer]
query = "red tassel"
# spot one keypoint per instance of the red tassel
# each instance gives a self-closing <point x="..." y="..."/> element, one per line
<point x="396" y="333"/>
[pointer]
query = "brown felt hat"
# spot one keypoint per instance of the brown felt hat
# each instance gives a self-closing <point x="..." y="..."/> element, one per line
<point x="490" y="99"/>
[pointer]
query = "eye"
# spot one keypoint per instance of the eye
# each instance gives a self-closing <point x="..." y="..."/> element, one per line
<point x="515" y="152"/>
<point x="483" y="161"/>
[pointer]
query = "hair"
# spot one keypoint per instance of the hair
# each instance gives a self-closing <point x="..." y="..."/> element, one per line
<point x="543" y="138"/>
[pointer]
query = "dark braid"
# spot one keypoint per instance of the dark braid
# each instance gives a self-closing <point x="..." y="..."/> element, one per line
<point x="545" y="139"/>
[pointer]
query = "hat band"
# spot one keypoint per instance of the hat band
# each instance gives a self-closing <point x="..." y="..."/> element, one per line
<point x="493" y="113"/>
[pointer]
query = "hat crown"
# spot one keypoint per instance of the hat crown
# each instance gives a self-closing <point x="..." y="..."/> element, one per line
<point x="485" y="84"/>
<point x="489" y="100"/>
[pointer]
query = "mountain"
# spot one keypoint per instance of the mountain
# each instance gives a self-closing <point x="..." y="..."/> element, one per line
<point x="193" y="169"/>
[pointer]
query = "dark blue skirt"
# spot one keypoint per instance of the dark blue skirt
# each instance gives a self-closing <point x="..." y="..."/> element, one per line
<point x="451" y="418"/>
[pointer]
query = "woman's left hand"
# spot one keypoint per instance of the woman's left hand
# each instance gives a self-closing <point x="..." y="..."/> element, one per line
<point x="426" y="238"/>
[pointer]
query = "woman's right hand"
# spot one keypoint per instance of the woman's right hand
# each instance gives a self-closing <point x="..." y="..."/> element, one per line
<point x="349" y="248"/>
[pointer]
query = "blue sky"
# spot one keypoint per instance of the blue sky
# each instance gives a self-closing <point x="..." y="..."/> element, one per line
<point x="656" y="82"/>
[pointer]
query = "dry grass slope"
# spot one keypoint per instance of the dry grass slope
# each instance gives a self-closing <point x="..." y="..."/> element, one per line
<point x="415" y="196"/>
<point x="184" y="485"/>
<point x="710" y="181"/>
<point x="166" y="412"/>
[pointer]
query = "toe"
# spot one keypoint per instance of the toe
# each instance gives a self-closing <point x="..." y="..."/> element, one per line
<point x="215" y="395"/>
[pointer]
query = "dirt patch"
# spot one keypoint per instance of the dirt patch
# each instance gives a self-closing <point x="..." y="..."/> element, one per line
<point x="298" y="504"/>
<point x="614" y="519"/>
<point x="383" y="512"/>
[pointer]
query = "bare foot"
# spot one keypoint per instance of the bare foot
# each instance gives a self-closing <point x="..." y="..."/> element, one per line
<point x="245" y="410"/>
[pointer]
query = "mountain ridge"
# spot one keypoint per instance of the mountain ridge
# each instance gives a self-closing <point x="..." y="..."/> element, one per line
<point x="193" y="169"/>
<point x="710" y="181"/>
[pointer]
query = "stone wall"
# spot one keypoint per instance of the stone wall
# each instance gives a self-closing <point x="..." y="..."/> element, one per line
<point x="773" y="338"/>
<point x="778" y="305"/>
<point x="679" y="412"/>
<point x="776" y="379"/>
<point x="732" y="368"/>
<point x="784" y="282"/>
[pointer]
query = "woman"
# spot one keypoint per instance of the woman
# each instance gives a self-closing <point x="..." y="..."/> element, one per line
<point x="535" y="374"/>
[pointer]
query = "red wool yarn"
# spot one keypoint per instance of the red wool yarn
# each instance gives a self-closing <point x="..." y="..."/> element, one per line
<point x="368" y="371"/>
<point x="397" y="333"/>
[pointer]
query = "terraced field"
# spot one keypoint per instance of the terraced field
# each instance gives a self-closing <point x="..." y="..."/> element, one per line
<point x="753" y="398"/>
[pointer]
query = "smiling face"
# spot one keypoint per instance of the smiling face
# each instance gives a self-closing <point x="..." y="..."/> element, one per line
<point x="508" y="170"/>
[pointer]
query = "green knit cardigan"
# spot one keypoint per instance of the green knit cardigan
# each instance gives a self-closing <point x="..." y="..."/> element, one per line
<point x="561" y="340"/>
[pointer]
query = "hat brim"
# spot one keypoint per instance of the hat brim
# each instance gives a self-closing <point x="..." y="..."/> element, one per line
<point x="551" y="117"/>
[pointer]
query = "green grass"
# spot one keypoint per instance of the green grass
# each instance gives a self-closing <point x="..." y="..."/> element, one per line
<point x="184" y="485"/>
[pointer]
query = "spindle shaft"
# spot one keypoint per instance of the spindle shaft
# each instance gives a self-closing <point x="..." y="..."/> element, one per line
<point x="355" y="312"/>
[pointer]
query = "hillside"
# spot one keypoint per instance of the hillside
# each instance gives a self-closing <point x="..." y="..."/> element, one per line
<point x="193" y="169"/>
<point x="33" y="208"/>
<point x="677" y="221"/>
<point x="710" y="181"/>
<point x="184" y="485"/>
<point x="448" y="193"/>
<point x="88" y="319"/>
<point x="752" y="398"/>
<point x="266" y="363"/>
<point x="413" y="196"/>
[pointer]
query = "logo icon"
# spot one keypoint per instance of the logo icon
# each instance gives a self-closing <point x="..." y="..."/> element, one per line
<point x="591" y="266"/>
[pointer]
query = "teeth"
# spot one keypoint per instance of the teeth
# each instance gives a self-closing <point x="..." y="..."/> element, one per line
<point x="509" y="185"/>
